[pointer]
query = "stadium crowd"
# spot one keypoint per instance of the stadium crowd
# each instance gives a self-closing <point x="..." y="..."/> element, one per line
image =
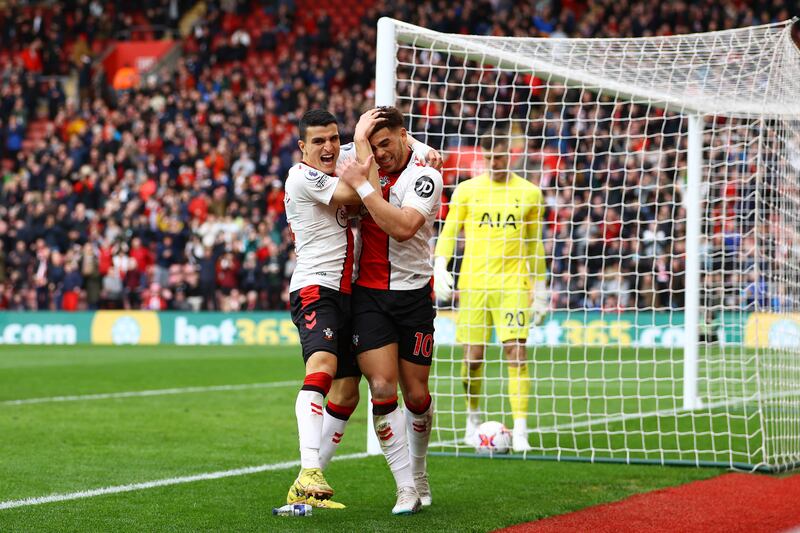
<point x="170" y="195"/>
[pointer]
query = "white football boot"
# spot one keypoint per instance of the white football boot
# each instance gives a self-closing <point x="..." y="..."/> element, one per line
<point x="423" y="488"/>
<point x="408" y="501"/>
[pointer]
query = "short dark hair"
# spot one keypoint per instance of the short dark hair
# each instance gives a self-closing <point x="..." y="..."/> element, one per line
<point x="315" y="117"/>
<point x="498" y="133"/>
<point x="390" y="117"/>
<point x="494" y="138"/>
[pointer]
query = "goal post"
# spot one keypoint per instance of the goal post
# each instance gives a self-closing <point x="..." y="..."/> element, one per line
<point x="691" y="335"/>
<point x="670" y="170"/>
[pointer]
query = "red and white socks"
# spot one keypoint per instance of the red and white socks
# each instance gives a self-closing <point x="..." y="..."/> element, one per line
<point x="419" y="420"/>
<point x="390" y="427"/>
<point x="308" y="409"/>
<point x="334" y="421"/>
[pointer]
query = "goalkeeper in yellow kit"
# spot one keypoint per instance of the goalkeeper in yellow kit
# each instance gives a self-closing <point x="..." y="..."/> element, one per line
<point x="501" y="214"/>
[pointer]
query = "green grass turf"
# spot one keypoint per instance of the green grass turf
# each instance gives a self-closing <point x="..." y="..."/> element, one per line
<point x="51" y="448"/>
<point x="617" y="403"/>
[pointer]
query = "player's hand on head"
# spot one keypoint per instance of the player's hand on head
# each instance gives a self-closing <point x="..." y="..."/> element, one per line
<point x="366" y="123"/>
<point x="434" y="159"/>
<point x="442" y="280"/>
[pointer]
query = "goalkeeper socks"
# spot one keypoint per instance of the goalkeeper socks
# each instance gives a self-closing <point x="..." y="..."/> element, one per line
<point x="308" y="409"/>
<point x="519" y="388"/>
<point x="419" y="420"/>
<point x="472" y="378"/>
<point x="334" y="421"/>
<point x="390" y="427"/>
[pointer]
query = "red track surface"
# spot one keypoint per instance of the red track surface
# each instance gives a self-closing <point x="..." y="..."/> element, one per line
<point x="731" y="502"/>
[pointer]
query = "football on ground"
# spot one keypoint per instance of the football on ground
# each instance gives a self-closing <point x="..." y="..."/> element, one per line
<point x="492" y="437"/>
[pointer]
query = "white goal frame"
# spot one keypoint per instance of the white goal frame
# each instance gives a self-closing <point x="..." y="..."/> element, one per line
<point x="391" y="31"/>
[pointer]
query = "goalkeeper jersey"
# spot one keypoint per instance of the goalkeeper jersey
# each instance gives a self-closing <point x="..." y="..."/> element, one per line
<point x="502" y="225"/>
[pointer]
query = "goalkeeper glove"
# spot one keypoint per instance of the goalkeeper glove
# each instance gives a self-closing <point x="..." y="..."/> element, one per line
<point x="442" y="279"/>
<point x="540" y="302"/>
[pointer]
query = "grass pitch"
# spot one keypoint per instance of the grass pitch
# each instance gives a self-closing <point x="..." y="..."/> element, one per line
<point x="66" y="445"/>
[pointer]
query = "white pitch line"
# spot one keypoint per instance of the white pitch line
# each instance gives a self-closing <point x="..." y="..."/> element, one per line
<point x="12" y="504"/>
<point x="144" y="393"/>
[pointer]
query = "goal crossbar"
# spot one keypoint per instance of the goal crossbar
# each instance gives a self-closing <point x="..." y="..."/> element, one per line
<point x="561" y="60"/>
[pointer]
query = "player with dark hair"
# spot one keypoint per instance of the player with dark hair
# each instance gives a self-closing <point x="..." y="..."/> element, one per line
<point x="392" y="302"/>
<point x="320" y="288"/>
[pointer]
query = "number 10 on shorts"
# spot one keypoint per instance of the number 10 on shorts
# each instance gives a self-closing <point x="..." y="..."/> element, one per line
<point x="423" y="344"/>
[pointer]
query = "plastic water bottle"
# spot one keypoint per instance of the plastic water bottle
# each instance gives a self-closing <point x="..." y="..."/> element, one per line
<point x="293" y="509"/>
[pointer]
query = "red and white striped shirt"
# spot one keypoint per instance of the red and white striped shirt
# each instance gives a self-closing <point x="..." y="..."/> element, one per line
<point x="385" y="263"/>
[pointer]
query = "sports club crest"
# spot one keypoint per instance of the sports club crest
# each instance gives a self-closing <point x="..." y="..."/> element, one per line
<point x="384" y="181"/>
<point x="355" y="340"/>
<point x="341" y="217"/>
<point x="328" y="333"/>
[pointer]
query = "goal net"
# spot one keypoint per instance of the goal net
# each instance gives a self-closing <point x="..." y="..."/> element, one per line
<point x="670" y="173"/>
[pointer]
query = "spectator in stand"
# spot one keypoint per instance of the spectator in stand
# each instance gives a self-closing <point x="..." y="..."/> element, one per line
<point x="92" y="277"/>
<point x="73" y="281"/>
<point x="14" y="135"/>
<point x="208" y="279"/>
<point x="155" y="299"/>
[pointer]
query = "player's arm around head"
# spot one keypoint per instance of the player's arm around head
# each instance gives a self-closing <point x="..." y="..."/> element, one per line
<point x="430" y="155"/>
<point x="381" y="132"/>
